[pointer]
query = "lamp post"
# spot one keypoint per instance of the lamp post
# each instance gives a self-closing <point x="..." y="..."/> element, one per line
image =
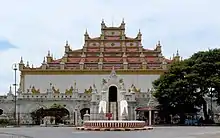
<point x="14" y="67"/>
<point x="211" y="96"/>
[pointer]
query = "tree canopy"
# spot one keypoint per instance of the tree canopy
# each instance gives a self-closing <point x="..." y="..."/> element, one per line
<point x="183" y="87"/>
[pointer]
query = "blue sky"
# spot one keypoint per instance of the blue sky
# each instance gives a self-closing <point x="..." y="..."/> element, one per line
<point x="34" y="27"/>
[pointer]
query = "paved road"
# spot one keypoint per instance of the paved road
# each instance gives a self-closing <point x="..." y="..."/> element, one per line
<point x="159" y="132"/>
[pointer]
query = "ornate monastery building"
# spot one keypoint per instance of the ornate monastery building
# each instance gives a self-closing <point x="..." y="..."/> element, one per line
<point x="77" y="80"/>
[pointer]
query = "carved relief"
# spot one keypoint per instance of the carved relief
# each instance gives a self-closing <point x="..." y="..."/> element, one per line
<point x="122" y="85"/>
<point x="104" y="81"/>
<point x="131" y="44"/>
<point x="55" y="90"/>
<point x="69" y="91"/>
<point x="94" y="44"/>
<point x="34" y="90"/>
<point x="121" y="81"/>
<point x="112" y="44"/>
<point x="134" y="89"/>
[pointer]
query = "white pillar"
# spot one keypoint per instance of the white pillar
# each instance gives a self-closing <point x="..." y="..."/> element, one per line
<point x="150" y="117"/>
<point x="76" y="119"/>
<point x="135" y="113"/>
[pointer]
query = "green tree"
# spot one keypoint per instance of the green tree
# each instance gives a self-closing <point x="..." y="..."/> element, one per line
<point x="183" y="87"/>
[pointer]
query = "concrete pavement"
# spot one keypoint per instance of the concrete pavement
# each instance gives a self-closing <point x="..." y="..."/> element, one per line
<point x="68" y="132"/>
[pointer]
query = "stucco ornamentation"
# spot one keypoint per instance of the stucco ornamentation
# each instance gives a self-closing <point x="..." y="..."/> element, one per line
<point x="55" y="90"/>
<point x="134" y="89"/>
<point x="34" y="90"/>
<point x="69" y="91"/>
<point x="88" y="91"/>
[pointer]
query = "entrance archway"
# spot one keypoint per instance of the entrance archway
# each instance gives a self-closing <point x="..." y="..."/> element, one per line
<point x="113" y="102"/>
<point x="1" y="111"/>
<point x="60" y="115"/>
<point x="112" y="94"/>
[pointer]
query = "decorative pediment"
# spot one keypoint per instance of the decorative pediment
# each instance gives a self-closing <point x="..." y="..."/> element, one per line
<point x="57" y="106"/>
<point x="88" y="91"/>
<point x="57" y="91"/>
<point x="34" y="90"/>
<point x="121" y="84"/>
<point x="113" y="74"/>
<point x="134" y="89"/>
<point x="104" y="81"/>
<point x="69" y="91"/>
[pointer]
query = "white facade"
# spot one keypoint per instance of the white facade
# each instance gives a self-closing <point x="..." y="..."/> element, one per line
<point x="78" y="100"/>
<point x="63" y="82"/>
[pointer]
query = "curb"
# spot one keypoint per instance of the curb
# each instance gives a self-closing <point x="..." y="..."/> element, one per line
<point x="113" y="129"/>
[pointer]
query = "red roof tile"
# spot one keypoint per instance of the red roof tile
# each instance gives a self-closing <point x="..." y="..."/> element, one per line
<point x="118" y="59"/>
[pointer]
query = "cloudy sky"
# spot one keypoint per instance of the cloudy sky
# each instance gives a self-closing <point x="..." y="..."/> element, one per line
<point x="30" y="28"/>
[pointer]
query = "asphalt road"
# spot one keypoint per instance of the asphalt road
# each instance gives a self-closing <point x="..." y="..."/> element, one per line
<point x="158" y="132"/>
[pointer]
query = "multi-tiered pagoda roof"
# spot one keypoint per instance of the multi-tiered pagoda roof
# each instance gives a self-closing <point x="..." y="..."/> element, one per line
<point x="111" y="48"/>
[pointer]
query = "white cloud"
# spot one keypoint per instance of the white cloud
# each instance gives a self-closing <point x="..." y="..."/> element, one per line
<point x="38" y="26"/>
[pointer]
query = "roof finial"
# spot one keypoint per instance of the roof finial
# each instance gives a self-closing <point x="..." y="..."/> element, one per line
<point x="112" y="21"/>
<point x="48" y="54"/>
<point x="74" y="84"/>
<point x="123" y="20"/>
<point x="103" y="21"/>
<point x="67" y="43"/>
<point x="86" y="33"/>
<point x="158" y="43"/>
<point x="177" y="52"/>
<point x="10" y="91"/>
<point x="32" y="66"/>
<point x="21" y="61"/>
<point x="27" y="64"/>
<point x="44" y="60"/>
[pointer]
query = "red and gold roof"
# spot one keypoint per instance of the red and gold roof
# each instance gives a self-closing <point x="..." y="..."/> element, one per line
<point x="111" y="48"/>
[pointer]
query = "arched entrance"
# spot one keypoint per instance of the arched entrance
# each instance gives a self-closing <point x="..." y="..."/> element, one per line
<point x="112" y="94"/>
<point x="83" y="112"/>
<point x="113" y="101"/>
<point x="60" y="115"/>
<point x="1" y="111"/>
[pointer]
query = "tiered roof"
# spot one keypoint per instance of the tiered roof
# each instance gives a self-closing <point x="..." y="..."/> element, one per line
<point x="111" y="48"/>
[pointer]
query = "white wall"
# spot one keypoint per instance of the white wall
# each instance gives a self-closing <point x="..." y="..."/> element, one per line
<point x="83" y="82"/>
